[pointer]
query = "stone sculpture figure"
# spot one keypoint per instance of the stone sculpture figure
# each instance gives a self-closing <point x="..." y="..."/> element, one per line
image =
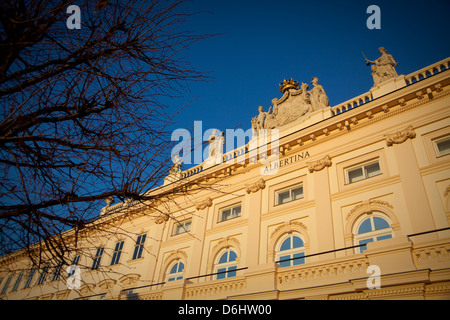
<point x="304" y="106"/>
<point x="319" y="98"/>
<point x="383" y="68"/>
<point x="175" y="169"/>
<point x="261" y="118"/>
<point x="215" y="144"/>
<point x="264" y="120"/>
<point x="109" y="201"/>
<point x="306" y="98"/>
<point x="376" y="75"/>
<point x="215" y="150"/>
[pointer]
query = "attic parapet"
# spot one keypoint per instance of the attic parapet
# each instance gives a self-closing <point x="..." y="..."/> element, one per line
<point x="426" y="72"/>
<point x="411" y="78"/>
<point x="352" y="103"/>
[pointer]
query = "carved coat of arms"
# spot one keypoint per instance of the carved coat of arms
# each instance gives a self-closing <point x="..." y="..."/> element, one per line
<point x="294" y="104"/>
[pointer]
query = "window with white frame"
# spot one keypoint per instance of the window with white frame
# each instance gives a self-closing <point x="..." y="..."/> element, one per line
<point x="290" y="250"/>
<point x="182" y="227"/>
<point x="226" y="265"/>
<point x="230" y="213"/>
<point x="363" y="171"/>
<point x="175" y="272"/>
<point x="117" y="252"/>
<point x="371" y="227"/>
<point x="442" y="146"/>
<point x="289" y="194"/>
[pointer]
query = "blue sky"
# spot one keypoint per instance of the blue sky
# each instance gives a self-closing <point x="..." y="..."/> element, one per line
<point x="263" y="42"/>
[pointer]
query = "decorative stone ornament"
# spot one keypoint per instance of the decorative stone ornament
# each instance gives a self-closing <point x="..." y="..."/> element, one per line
<point x="295" y="104"/>
<point x="203" y="204"/>
<point x="174" y="171"/>
<point x="254" y="187"/>
<point x="385" y="77"/>
<point x="288" y="84"/>
<point x="400" y="136"/>
<point x="215" y="149"/>
<point x="129" y="279"/>
<point x="161" y="218"/>
<point x="109" y="201"/>
<point x="383" y="68"/>
<point x="319" y="164"/>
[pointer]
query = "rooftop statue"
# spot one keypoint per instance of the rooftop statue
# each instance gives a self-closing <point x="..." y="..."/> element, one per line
<point x="175" y="170"/>
<point x="383" y="68"/>
<point x="215" y="150"/>
<point x="261" y="119"/>
<point x="319" y="98"/>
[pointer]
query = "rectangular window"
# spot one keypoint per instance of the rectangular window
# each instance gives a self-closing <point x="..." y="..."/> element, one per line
<point x="226" y="272"/>
<point x="29" y="278"/>
<point x="365" y="241"/>
<point x="230" y="213"/>
<point x="182" y="227"/>
<point x="5" y="287"/>
<point x="75" y="260"/>
<point x="364" y="171"/>
<point x="117" y="253"/>
<point x="292" y="259"/>
<point x="442" y="146"/>
<point x="57" y="271"/>
<point x="288" y="195"/>
<point x="139" y="247"/>
<point x="97" y="259"/>
<point x="17" y="283"/>
<point x="43" y="275"/>
<point x="130" y="295"/>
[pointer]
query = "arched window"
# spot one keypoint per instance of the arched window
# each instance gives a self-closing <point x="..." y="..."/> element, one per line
<point x="291" y="247"/>
<point x="176" y="272"/>
<point x="227" y="264"/>
<point x="372" y="227"/>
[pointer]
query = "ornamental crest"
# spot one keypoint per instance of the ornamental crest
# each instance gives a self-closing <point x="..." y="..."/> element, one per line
<point x="293" y="105"/>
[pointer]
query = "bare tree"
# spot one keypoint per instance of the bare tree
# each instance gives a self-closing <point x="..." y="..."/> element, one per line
<point x="83" y="116"/>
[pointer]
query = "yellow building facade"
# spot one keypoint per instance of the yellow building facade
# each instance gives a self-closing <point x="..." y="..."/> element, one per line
<point x="356" y="205"/>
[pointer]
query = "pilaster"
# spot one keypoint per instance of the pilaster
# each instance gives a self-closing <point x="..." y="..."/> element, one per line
<point x="198" y="231"/>
<point x="154" y="245"/>
<point x="254" y="222"/>
<point x="324" y="219"/>
<point x="419" y="211"/>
